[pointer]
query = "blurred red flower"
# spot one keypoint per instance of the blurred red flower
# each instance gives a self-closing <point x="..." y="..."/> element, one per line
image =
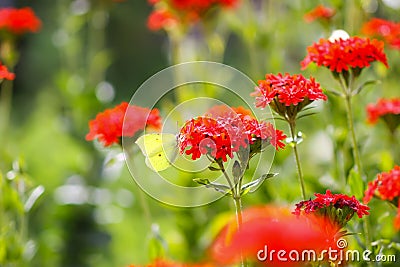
<point x="266" y="229"/>
<point x="109" y="125"/>
<point x="327" y="205"/>
<point x="342" y="54"/>
<point x="184" y="12"/>
<point x="222" y="132"/>
<point x="386" y="187"/>
<point x="168" y="263"/>
<point x="319" y="12"/>
<point x="388" y="110"/>
<point x="5" y="74"/>
<point x="388" y="30"/>
<point x="160" y="19"/>
<point x="19" y="21"/>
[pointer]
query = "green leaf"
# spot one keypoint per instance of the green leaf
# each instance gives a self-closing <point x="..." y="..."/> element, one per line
<point x="356" y="184"/>
<point x="211" y="168"/>
<point x="246" y="188"/>
<point x="224" y="189"/>
<point x="33" y="197"/>
<point x="236" y="171"/>
<point x="365" y="84"/>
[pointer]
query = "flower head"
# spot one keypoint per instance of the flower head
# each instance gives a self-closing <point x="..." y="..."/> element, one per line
<point x="19" y="20"/>
<point x="220" y="133"/>
<point x="344" y="54"/>
<point x="160" y="19"/>
<point x="319" y="12"/>
<point x="388" y="110"/>
<point x="274" y="227"/>
<point x="339" y="208"/>
<point x="386" y="187"/>
<point x="109" y="126"/>
<point x="182" y="12"/>
<point x="5" y="74"/>
<point x="287" y="94"/>
<point x="389" y="31"/>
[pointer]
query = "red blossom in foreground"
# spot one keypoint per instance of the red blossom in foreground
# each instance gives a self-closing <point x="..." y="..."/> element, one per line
<point x="327" y="205"/>
<point x="19" y="21"/>
<point x="389" y="31"/>
<point x="342" y="54"/>
<point x="272" y="228"/>
<point x="5" y="74"/>
<point x="109" y="126"/>
<point x="388" y="110"/>
<point x="183" y="12"/>
<point x="319" y="12"/>
<point x="386" y="187"/>
<point x="221" y="133"/>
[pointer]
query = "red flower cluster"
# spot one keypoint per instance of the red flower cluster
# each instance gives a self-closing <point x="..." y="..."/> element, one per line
<point x="287" y="89"/>
<point x="168" y="13"/>
<point x="327" y="205"/>
<point x="19" y="21"/>
<point x="222" y="135"/>
<point x="387" y="187"/>
<point x="340" y="55"/>
<point x="319" y="12"/>
<point x="109" y="126"/>
<point x="382" y="108"/>
<point x="5" y="74"/>
<point x="389" y="31"/>
<point x="275" y="228"/>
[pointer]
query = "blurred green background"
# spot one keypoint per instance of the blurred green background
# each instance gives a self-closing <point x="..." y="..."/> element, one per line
<point x="93" y="54"/>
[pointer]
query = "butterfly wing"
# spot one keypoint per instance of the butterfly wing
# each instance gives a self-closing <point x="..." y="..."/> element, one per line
<point x="160" y="150"/>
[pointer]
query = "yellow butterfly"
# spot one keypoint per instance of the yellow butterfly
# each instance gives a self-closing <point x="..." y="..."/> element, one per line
<point x="160" y="150"/>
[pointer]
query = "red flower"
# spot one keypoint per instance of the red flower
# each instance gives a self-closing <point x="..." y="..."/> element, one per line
<point x="383" y="108"/>
<point x="19" y="21"/>
<point x="340" y="55"/>
<point x="388" y="30"/>
<point x="327" y="205"/>
<point x="386" y="187"/>
<point x="319" y="12"/>
<point x="109" y="126"/>
<point x="288" y="89"/>
<point x="221" y="133"/>
<point x="287" y="94"/>
<point x="5" y="74"/>
<point x="160" y="19"/>
<point x="184" y="12"/>
<point x="270" y="229"/>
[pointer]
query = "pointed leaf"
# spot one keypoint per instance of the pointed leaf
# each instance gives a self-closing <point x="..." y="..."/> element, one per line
<point x="33" y="197"/>
<point x="236" y="171"/>
<point x="224" y="189"/>
<point x="365" y="84"/>
<point x="253" y="184"/>
<point x="211" y="168"/>
<point x="356" y="184"/>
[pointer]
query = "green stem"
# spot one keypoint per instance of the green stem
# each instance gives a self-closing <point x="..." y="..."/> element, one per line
<point x="5" y="107"/>
<point x="292" y="126"/>
<point x="237" y="201"/>
<point x="350" y="121"/>
<point x="348" y="93"/>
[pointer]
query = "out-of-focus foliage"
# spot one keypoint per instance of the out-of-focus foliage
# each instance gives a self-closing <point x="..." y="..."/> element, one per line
<point x="93" y="54"/>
